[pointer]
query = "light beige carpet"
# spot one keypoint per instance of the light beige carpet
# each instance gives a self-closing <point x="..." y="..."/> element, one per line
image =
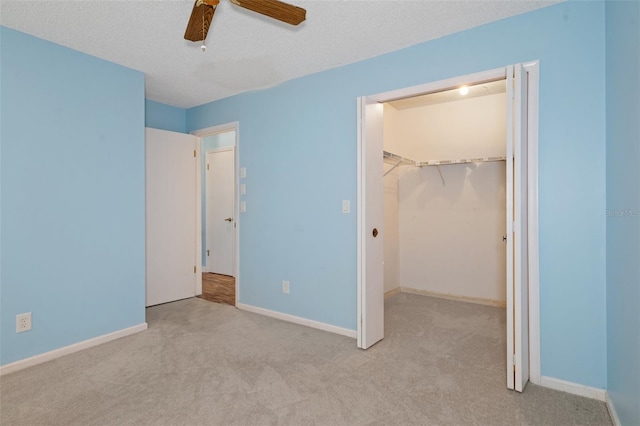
<point x="202" y="363"/>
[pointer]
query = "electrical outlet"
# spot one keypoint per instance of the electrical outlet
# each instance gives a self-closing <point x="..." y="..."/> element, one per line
<point x="285" y="287"/>
<point x="23" y="322"/>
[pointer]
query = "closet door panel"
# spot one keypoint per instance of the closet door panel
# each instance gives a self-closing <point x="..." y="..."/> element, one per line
<point x="517" y="231"/>
<point x="521" y="242"/>
<point x="371" y="218"/>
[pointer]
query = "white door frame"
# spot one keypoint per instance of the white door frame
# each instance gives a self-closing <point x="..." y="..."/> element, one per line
<point x="532" y="69"/>
<point x="222" y="128"/>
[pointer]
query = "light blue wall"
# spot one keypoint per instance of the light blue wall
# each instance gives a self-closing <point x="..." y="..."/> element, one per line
<point x="623" y="208"/>
<point x="298" y="143"/>
<point x="220" y="140"/>
<point x="164" y="117"/>
<point x="72" y="173"/>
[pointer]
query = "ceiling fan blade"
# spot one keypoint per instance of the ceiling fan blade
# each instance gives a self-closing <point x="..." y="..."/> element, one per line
<point x="200" y="20"/>
<point x="275" y="9"/>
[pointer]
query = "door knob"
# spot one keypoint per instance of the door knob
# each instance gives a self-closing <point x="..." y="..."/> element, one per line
<point x="375" y="232"/>
<point x="229" y="219"/>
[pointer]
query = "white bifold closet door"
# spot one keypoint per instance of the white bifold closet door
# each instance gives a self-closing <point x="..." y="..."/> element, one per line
<point x="370" y="303"/>
<point x="517" y="228"/>
<point x="171" y="250"/>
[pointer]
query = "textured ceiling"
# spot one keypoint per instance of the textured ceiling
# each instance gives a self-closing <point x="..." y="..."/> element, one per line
<point x="245" y="51"/>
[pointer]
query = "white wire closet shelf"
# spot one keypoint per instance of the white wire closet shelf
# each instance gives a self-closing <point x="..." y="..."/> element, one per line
<point x="459" y="161"/>
<point x="398" y="160"/>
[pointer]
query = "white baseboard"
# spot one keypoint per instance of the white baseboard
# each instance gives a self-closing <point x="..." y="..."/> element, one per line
<point x="298" y="320"/>
<point x="476" y="300"/>
<point x="612" y="410"/>
<point x="391" y="293"/>
<point x="573" y="388"/>
<point x="57" y="353"/>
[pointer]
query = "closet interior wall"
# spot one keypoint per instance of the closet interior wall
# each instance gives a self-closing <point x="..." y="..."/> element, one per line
<point x="444" y="225"/>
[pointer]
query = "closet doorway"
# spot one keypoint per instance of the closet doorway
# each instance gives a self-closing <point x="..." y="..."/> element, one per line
<point x="516" y="162"/>
<point x="445" y="194"/>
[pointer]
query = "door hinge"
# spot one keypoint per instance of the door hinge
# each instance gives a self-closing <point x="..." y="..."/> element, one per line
<point x="513" y="360"/>
<point x="194" y="269"/>
<point x="207" y="166"/>
<point x="207" y="252"/>
<point x="194" y="153"/>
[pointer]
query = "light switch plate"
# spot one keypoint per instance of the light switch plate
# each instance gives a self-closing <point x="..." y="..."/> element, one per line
<point x="243" y="172"/>
<point x="243" y="189"/>
<point x="346" y="206"/>
<point x="243" y="206"/>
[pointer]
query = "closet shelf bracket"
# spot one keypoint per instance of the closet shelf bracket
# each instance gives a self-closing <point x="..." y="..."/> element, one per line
<point x="393" y="167"/>
<point x="440" y="172"/>
<point x="397" y="161"/>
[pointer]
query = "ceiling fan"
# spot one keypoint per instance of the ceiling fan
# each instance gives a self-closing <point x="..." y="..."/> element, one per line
<point x="203" y="10"/>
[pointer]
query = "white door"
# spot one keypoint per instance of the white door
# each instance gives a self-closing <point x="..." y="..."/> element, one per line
<point x="370" y="327"/>
<point x="220" y="210"/>
<point x="171" y="256"/>
<point x="517" y="230"/>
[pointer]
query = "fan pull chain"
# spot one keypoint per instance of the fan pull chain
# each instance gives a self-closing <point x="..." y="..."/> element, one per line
<point x="204" y="46"/>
